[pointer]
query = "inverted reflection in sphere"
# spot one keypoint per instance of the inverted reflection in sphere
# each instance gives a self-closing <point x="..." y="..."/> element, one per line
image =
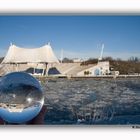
<point x="21" y="97"/>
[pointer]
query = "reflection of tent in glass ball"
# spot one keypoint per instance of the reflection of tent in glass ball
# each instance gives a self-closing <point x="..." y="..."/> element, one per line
<point x="21" y="97"/>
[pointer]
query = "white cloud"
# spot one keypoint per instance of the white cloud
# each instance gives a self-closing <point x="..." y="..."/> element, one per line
<point x="96" y="54"/>
<point x="83" y="55"/>
<point x="122" y="55"/>
<point x="72" y="54"/>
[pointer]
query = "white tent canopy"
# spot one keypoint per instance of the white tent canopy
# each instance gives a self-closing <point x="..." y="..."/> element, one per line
<point x="43" y="54"/>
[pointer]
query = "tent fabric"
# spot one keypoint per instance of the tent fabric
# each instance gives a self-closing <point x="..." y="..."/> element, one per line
<point x="43" y="54"/>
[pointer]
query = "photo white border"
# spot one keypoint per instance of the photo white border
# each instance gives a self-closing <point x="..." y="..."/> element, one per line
<point x="20" y="7"/>
<point x="69" y="6"/>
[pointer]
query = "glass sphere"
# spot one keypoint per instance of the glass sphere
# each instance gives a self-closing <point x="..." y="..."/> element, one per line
<point x="21" y="97"/>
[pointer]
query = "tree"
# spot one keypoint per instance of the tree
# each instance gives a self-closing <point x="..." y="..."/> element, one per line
<point x="1" y="59"/>
<point x="133" y="59"/>
<point x="67" y="60"/>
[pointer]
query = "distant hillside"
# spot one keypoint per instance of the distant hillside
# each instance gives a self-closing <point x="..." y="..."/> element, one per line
<point x="130" y="66"/>
<point x="126" y="67"/>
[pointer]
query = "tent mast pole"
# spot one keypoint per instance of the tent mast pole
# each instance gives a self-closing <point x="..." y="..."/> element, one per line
<point x="34" y="70"/>
<point x="47" y="69"/>
<point x="43" y="72"/>
<point x="16" y="66"/>
<point x="61" y="55"/>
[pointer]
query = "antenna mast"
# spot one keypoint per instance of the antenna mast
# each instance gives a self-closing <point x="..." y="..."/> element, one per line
<point x="101" y="55"/>
<point x="61" y="55"/>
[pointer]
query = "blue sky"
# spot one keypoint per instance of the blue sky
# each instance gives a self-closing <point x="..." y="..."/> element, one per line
<point x="78" y="36"/>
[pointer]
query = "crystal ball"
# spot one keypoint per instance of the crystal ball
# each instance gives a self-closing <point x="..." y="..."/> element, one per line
<point x="21" y="97"/>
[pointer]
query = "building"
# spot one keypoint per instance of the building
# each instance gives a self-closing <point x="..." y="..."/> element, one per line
<point x="102" y="68"/>
<point x="77" y="60"/>
<point x="33" y="60"/>
<point x="42" y="61"/>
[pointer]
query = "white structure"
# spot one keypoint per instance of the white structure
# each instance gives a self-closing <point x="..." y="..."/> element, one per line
<point x="24" y="55"/>
<point x="37" y="58"/>
<point x="115" y="73"/>
<point x="102" y="68"/>
<point x="77" y="60"/>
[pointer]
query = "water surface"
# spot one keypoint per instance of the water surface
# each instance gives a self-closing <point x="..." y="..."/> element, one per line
<point x="90" y="101"/>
